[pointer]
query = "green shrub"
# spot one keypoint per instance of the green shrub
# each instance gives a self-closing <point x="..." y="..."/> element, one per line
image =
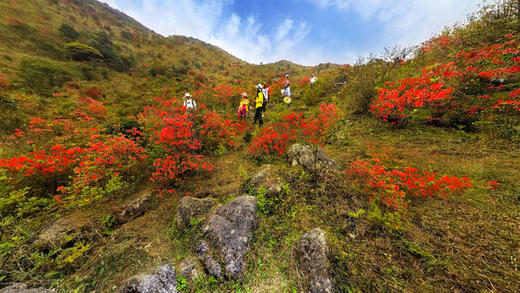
<point x="158" y="69"/>
<point x="360" y="85"/>
<point x="10" y="116"/>
<point x="41" y="75"/>
<point x="127" y="35"/>
<point x="69" y="32"/>
<point x="80" y="52"/>
<point x="103" y="43"/>
<point x="16" y="202"/>
<point x="316" y="93"/>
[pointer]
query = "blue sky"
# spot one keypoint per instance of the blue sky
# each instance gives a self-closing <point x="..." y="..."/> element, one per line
<point x="307" y="32"/>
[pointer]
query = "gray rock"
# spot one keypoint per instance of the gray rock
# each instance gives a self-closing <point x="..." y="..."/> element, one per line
<point x="314" y="263"/>
<point x="133" y="208"/>
<point x="189" y="269"/>
<point x="192" y="208"/>
<point x="22" y="288"/>
<point x="70" y="228"/>
<point x="161" y="280"/>
<point x="265" y="178"/>
<point x="231" y="231"/>
<point x="311" y="160"/>
<point x="210" y="264"/>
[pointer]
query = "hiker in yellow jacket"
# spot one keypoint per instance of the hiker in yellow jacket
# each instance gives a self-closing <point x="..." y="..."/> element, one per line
<point x="259" y="103"/>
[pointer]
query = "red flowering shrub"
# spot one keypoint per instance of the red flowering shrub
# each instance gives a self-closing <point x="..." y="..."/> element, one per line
<point x="91" y="109"/>
<point x="89" y="167"/>
<point x="455" y="92"/>
<point x="104" y="168"/>
<point x="391" y="186"/>
<point x="178" y="139"/>
<point x="304" y="81"/>
<point x="274" y="139"/>
<point x="494" y="185"/>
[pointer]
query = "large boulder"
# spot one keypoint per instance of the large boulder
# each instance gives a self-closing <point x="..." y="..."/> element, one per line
<point x="314" y="262"/>
<point x="71" y="228"/>
<point x="210" y="264"/>
<point x="161" y="280"/>
<point x="191" y="208"/>
<point x="22" y="288"/>
<point x="231" y="229"/>
<point x="314" y="160"/>
<point x="267" y="179"/>
<point x="133" y="208"/>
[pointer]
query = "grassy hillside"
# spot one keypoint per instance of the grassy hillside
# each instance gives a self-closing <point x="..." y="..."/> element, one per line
<point x="426" y="139"/>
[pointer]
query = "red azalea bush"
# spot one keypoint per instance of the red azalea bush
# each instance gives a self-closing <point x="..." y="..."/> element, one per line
<point x="178" y="140"/>
<point x="80" y="168"/>
<point x="304" y="81"/>
<point x="103" y="169"/>
<point x="391" y="186"/>
<point x="274" y="139"/>
<point x="458" y="92"/>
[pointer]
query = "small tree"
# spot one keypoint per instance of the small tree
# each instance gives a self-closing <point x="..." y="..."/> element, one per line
<point x="69" y="32"/>
<point x="80" y="52"/>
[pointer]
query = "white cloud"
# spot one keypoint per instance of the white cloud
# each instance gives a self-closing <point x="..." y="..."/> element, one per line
<point x="209" y="21"/>
<point x="406" y="22"/>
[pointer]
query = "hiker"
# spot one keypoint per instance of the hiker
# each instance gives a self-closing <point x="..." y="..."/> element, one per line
<point x="266" y="97"/>
<point x="259" y="104"/>
<point x="287" y="91"/>
<point x="244" y="107"/>
<point x="313" y="79"/>
<point x="189" y="103"/>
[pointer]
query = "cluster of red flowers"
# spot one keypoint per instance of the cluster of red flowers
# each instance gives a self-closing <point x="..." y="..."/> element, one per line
<point x="180" y="138"/>
<point x="274" y="139"/>
<point x="447" y="88"/>
<point x="91" y="109"/>
<point x="391" y="186"/>
<point x="395" y="102"/>
<point x="93" y="93"/>
<point x="56" y="159"/>
<point x="225" y="92"/>
<point x="304" y="81"/>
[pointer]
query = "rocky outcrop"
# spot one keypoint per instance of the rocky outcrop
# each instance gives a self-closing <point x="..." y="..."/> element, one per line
<point x="314" y="262"/>
<point x="314" y="160"/>
<point x="266" y="179"/>
<point x="191" y="208"/>
<point x="230" y="230"/>
<point x="206" y="258"/>
<point x="189" y="269"/>
<point x="22" y="288"/>
<point x="161" y="280"/>
<point x="68" y="229"/>
<point x="133" y="208"/>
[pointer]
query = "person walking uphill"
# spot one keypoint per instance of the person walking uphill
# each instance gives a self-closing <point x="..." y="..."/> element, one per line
<point x="259" y="105"/>
<point x="189" y="103"/>
<point x="243" y="108"/>
<point x="287" y="91"/>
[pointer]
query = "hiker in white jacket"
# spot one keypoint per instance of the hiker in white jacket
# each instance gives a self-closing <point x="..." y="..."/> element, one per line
<point x="189" y="103"/>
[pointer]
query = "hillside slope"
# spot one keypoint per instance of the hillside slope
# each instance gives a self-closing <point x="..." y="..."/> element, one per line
<point x="397" y="174"/>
